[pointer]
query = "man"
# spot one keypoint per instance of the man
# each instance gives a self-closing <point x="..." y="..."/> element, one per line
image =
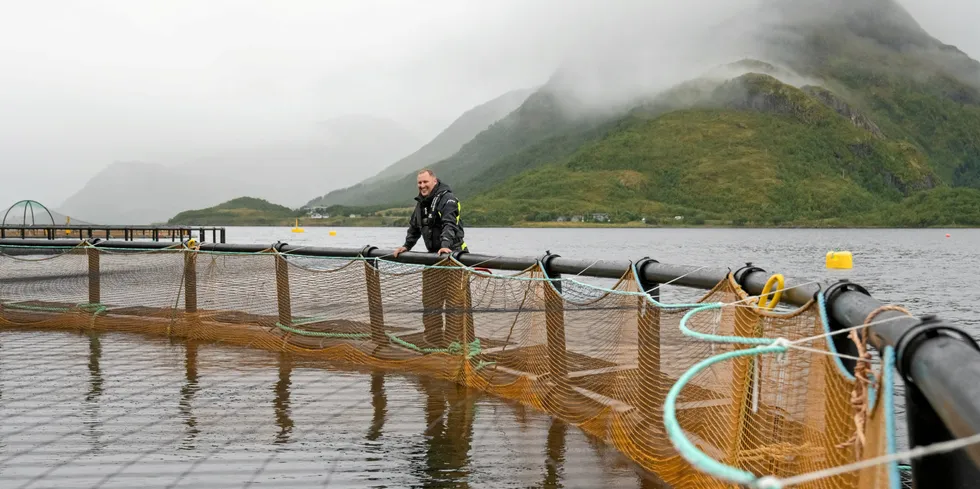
<point x="437" y="221"/>
<point x="435" y="218"/>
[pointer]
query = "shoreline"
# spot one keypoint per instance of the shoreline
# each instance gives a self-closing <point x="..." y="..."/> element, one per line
<point x="594" y="225"/>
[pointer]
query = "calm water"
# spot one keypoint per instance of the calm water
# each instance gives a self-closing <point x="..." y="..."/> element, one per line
<point x="115" y="410"/>
<point x="123" y="411"/>
<point x="920" y="269"/>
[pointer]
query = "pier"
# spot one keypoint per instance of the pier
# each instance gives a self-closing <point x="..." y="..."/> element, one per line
<point x="126" y="233"/>
<point x="30" y="219"/>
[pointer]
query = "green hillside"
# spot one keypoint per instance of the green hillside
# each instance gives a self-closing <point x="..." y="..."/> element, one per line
<point x="913" y="86"/>
<point x="753" y="150"/>
<point x="243" y="211"/>
<point x="791" y="159"/>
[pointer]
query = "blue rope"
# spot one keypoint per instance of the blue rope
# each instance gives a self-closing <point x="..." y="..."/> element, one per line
<point x="691" y="453"/>
<point x="888" y="388"/>
<point x="825" y="322"/>
<point x="701" y="460"/>
<point x="718" y="338"/>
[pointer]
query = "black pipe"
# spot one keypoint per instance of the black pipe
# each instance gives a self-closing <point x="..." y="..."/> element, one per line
<point x="945" y="368"/>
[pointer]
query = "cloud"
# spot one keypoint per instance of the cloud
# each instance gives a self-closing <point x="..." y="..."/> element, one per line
<point x="89" y="83"/>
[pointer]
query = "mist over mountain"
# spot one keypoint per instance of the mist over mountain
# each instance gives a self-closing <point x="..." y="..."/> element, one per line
<point x="337" y="152"/>
<point x="853" y="89"/>
<point x="867" y="64"/>
<point x="444" y="145"/>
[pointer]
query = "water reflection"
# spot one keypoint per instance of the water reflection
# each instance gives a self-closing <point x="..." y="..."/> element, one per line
<point x="93" y="424"/>
<point x="187" y="392"/>
<point x="419" y="432"/>
<point x="380" y="404"/>
<point x="95" y="372"/>
<point x="281" y="403"/>
<point x="449" y="411"/>
<point x="556" y="454"/>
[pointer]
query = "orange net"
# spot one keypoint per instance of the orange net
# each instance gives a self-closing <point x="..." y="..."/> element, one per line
<point x="602" y="359"/>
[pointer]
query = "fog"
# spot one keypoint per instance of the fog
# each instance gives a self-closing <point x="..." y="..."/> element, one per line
<point x="86" y="84"/>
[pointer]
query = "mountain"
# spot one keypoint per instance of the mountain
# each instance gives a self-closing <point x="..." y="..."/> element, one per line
<point x="243" y="211"/>
<point x="133" y="192"/>
<point x="337" y="153"/>
<point x="542" y="116"/>
<point x="755" y="149"/>
<point x="875" y="54"/>
<point x="449" y="141"/>
<point x="444" y="145"/>
<point x="847" y="113"/>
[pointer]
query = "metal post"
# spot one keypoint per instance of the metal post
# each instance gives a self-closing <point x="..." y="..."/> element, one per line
<point x="282" y="287"/>
<point x="190" y="281"/>
<point x="459" y="316"/>
<point x="555" y="323"/>
<point x="372" y="277"/>
<point x="652" y="394"/>
<point x="94" y="283"/>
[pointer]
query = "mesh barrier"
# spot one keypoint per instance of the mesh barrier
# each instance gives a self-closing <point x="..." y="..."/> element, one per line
<point x="601" y="359"/>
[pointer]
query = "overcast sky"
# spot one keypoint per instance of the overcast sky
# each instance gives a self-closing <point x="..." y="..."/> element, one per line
<point x="86" y="83"/>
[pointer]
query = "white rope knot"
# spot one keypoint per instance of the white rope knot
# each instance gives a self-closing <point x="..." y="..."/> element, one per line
<point x="768" y="482"/>
<point x="781" y="343"/>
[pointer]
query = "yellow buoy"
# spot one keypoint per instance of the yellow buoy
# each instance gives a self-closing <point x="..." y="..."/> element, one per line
<point x="297" y="229"/>
<point x="839" y="259"/>
<point x="333" y="233"/>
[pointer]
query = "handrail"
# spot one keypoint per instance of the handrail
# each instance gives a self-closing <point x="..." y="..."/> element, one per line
<point x="939" y="363"/>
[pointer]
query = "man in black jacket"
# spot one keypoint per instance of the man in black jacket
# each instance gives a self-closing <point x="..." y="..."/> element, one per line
<point x="436" y="219"/>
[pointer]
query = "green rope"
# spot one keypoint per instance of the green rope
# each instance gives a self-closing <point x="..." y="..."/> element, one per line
<point x="322" y="334"/>
<point x="37" y="308"/>
<point x="94" y="308"/>
<point x="454" y="348"/>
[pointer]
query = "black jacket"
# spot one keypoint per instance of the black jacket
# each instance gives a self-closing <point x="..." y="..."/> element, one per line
<point x="436" y="220"/>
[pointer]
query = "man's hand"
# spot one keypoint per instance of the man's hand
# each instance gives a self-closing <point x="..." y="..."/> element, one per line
<point x="399" y="250"/>
<point x="444" y="250"/>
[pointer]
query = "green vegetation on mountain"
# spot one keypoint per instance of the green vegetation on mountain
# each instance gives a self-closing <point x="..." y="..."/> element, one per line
<point x="765" y="153"/>
<point x="243" y="211"/>
<point x="916" y="88"/>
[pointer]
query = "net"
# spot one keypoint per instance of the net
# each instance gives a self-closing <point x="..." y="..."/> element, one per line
<point x="698" y="394"/>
